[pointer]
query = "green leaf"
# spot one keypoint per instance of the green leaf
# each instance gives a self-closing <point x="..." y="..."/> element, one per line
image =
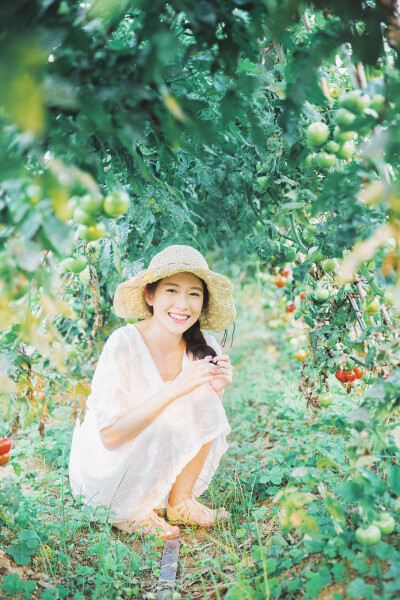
<point x="350" y="491"/>
<point x="59" y="235"/>
<point x="334" y="508"/>
<point x="393" y="478"/>
<point x="358" y="588"/>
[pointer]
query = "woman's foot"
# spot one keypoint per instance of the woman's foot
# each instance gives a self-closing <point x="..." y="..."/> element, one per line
<point x="189" y="510"/>
<point x="152" y="524"/>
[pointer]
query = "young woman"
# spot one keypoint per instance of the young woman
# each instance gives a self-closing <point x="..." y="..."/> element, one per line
<point x="155" y="428"/>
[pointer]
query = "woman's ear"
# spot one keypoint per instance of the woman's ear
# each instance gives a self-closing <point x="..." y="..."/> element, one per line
<point x="148" y="297"/>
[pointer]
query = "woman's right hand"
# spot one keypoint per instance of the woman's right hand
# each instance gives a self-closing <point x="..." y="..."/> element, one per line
<point x="191" y="377"/>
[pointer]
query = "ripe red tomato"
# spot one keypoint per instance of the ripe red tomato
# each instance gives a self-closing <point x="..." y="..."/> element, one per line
<point x="359" y="372"/>
<point x="339" y="374"/>
<point x="279" y="282"/>
<point x="343" y="376"/>
<point x="350" y="376"/>
<point x="290" y="308"/>
<point x="4" y="458"/>
<point x="5" y="445"/>
<point x="386" y="376"/>
<point x="285" y="272"/>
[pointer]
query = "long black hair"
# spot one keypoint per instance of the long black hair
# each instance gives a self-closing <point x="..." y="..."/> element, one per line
<point x="195" y="341"/>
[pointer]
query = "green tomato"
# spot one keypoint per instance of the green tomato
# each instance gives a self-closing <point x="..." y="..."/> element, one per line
<point x="301" y="354"/>
<point x="79" y="262"/>
<point x="343" y="136"/>
<point x="368" y="536"/>
<point x="65" y="265"/>
<point x="377" y="102"/>
<point x="355" y="101"/>
<point x="91" y="204"/>
<point x="82" y="217"/>
<point x="328" y="265"/>
<point x="332" y="147"/>
<point x="389" y="298"/>
<point x="321" y="294"/>
<point x="116" y="203"/>
<point x="94" y="250"/>
<point x="262" y="182"/>
<point x="317" y="134"/>
<point x="84" y="276"/>
<point x="71" y="206"/>
<point x="314" y="254"/>
<point x="275" y="247"/>
<point x="81" y="324"/>
<point x="385" y="522"/>
<point x="326" y="160"/>
<point x="372" y="308"/>
<point x="346" y="150"/>
<point x="93" y="232"/>
<point x="326" y="399"/>
<point x="344" y="118"/>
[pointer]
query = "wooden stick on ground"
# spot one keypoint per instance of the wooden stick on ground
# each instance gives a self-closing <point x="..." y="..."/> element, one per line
<point x="169" y="565"/>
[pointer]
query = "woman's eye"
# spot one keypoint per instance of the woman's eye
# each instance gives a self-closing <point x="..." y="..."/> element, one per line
<point x="171" y="290"/>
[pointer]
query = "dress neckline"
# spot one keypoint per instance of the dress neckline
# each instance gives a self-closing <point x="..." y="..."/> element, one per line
<point x="152" y="359"/>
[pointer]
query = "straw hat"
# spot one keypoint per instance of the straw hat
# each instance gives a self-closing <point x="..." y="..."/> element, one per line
<point x="129" y="298"/>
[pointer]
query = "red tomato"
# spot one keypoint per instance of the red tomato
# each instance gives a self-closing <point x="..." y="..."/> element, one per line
<point x="343" y="376"/>
<point x="386" y="376"/>
<point x="279" y="282"/>
<point x="285" y="272"/>
<point x="359" y="372"/>
<point x="350" y="376"/>
<point x="5" y="445"/>
<point x="338" y="374"/>
<point x="290" y="308"/>
<point x="4" y="458"/>
<point x="302" y="296"/>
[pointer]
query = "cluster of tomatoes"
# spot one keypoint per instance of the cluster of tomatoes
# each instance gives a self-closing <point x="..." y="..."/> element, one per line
<point x="350" y="375"/>
<point x="281" y="279"/>
<point x="5" y="447"/>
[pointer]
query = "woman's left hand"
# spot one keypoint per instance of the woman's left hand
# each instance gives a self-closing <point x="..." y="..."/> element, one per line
<point x="224" y="373"/>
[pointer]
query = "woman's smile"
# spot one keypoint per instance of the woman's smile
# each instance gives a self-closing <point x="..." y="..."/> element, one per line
<point x="178" y="318"/>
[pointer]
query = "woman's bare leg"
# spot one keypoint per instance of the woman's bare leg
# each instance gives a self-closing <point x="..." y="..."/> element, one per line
<point x="184" y="483"/>
<point x="183" y="486"/>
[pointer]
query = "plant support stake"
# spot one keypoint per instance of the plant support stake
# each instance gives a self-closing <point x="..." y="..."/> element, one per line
<point x="169" y="565"/>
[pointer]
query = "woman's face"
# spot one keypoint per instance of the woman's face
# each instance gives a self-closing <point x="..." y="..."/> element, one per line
<point x="177" y="301"/>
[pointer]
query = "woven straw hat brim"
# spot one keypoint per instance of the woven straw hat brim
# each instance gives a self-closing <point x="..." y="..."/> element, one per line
<point x="129" y="299"/>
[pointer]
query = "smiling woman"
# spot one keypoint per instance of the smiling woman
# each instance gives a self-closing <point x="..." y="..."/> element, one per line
<point x="155" y="429"/>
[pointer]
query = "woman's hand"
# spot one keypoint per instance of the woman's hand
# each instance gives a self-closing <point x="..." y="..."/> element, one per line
<point x="224" y="373"/>
<point x="191" y="377"/>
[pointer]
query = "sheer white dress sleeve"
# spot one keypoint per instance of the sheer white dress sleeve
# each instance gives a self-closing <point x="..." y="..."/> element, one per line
<point x="137" y="476"/>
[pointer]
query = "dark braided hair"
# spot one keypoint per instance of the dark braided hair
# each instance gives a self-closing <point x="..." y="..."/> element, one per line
<point x="195" y="341"/>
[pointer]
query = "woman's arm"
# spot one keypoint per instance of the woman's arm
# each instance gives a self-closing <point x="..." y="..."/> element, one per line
<point x="129" y="425"/>
<point x="134" y="421"/>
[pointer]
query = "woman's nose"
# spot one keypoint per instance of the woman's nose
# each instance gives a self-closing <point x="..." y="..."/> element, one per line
<point x="181" y="302"/>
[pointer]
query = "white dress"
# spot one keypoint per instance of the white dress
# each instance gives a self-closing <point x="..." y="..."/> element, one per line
<point x="137" y="476"/>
